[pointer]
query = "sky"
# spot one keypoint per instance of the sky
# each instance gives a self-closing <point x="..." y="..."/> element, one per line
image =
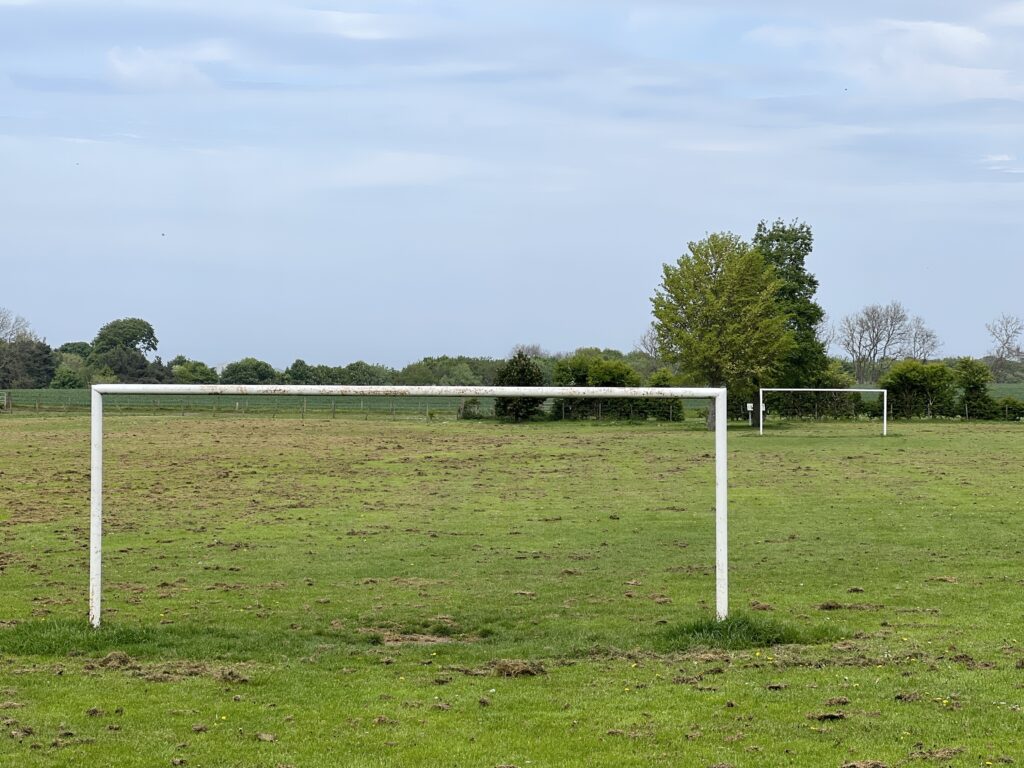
<point x="394" y="179"/>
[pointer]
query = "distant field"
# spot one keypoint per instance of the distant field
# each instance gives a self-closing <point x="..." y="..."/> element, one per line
<point x="1007" y="390"/>
<point x="426" y="408"/>
<point x="79" y="400"/>
<point x="347" y="593"/>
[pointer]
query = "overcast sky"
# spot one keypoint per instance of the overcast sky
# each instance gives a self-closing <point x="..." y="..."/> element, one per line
<point x="388" y="180"/>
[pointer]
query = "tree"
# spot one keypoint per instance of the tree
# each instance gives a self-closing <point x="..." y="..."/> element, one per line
<point x="299" y="372"/>
<point x="922" y="342"/>
<point x="126" y="333"/>
<point x="120" y="347"/>
<point x="973" y="376"/>
<point x="14" y="327"/>
<point x="1005" y="331"/>
<point x="532" y="351"/>
<point x="873" y="336"/>
<point x="185" y="371"/>
<point x="718" y="315"/>
<point x="81" y="348"/>
<point x="157" y="372"/>
<point x="645" y="358"/>
<point x="519" y="371"/>
<point x="26" y="363"/>
<point x="127" y="364"/>
<point x="786" y="248"/>
<point x="826" y="332"/>
<point x="366" y="374"/>
<point x="648" y="343"/>
<point x="249" y="370"/>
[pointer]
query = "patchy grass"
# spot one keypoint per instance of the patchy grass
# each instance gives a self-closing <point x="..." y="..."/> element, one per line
<point x="349" y="593"/>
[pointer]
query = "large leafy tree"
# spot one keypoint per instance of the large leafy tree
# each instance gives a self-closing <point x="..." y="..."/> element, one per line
<point x="786" y="248"/>
<point x="718" y="314"/>
<point x="519" y="371"/>
<point x="126" y="333"/>
<point x="249" y="370"/>
<point x="120" y="348"/>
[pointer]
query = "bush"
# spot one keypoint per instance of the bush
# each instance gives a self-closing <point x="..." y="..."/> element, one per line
<point x="919" y="389"/>
<point x="1010" y="408"/>
<point x="469" y="408"/>
<point x="973" y="377"/>
<point x="68" y="378"/>
<point x="519" y="371"/>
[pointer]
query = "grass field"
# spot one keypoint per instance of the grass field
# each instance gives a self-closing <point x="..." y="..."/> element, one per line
<point x="285" y="592"/>
<point x="1007" y="390"/>
<point x="70" y="400"/>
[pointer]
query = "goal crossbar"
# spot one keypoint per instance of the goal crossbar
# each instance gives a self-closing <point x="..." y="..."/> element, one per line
<point x="763" y="390"/>
<point x="96" y="478"/>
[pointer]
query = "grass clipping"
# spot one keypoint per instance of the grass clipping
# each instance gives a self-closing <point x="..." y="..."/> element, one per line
<point x="740" y="631"/>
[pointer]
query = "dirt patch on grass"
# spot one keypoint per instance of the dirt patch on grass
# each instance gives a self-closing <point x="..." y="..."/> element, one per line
<point x="826" y="716"/>
<point x="165" y="672"/>
<point x="834" y="606"/>
<point x="970" y="662"/>
<point x="503" y="668"/>
<point x="940" y="753"/>
<point x="389" y="637"/>
<point x="117" y="660"/>
<point x="516" y="668"/>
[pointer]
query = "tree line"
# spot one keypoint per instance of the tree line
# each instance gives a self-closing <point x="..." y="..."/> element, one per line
<point x="729" y="312"/>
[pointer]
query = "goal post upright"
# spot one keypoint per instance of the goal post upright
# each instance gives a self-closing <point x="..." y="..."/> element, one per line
<point x="721" y="508"/>
<point x="717" y="394"/>
<point x="96" y="509"/>
<point x="885" y="400"/>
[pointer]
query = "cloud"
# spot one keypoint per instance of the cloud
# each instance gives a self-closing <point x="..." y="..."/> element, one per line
<point x="366" y="26"/>
<point x="781" y="36"/>
<point x="1002" y="163"/>
<point x="400" y="169"/>
<point x="912" y="61"/>
<point x="1007" y="15"/>
<point x="166" y="68"/>
<point x="936" y="37"/>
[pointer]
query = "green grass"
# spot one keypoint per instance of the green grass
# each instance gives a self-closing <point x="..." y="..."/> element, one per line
<point x="1007" y="390"/>
<point x="378" y="593"/>
<point x="740" y="631"/>
<point x="69" y="400"/>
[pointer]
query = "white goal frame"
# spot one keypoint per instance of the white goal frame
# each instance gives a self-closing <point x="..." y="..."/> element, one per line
<point x="761" y="392"/>
<point x="244" y="390"/>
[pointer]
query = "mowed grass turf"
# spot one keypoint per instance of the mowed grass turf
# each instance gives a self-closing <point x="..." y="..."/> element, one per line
<point x="377" y="593"/>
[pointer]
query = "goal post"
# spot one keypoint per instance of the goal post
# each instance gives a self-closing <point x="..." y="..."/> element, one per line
<point x="763" y="390"/>
<point x="718" y="395"/>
